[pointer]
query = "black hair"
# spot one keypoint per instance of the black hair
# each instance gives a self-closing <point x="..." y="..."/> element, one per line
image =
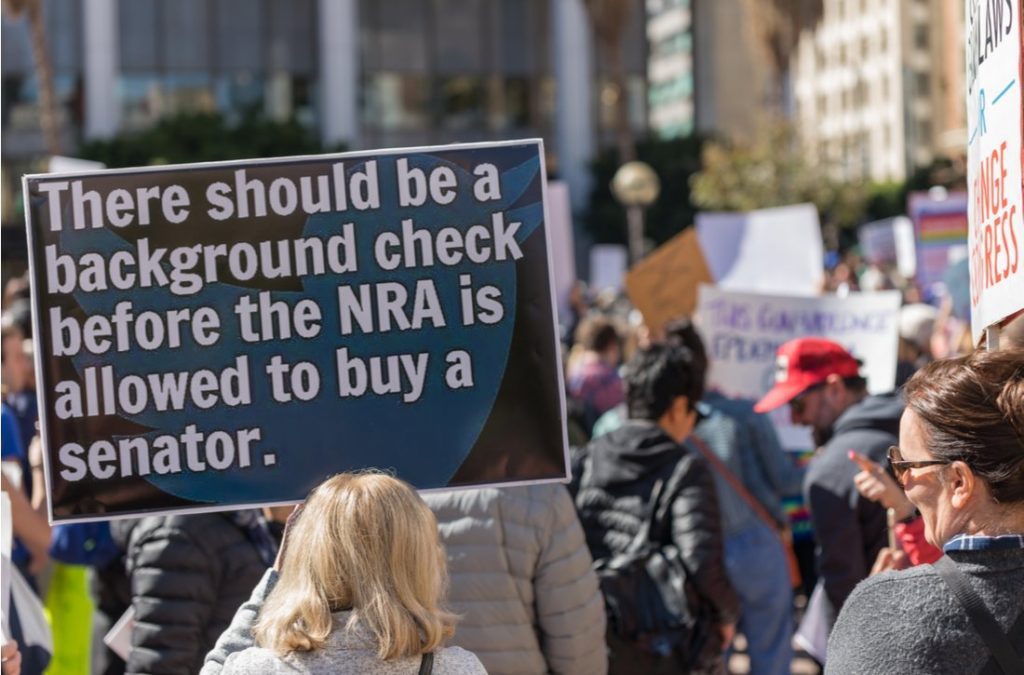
<point x="682" y="331"/>
<point x="597" y="333"/>
<point x="659" y="375"/>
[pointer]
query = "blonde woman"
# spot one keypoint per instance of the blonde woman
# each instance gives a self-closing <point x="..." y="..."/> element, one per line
<point x="357" y="588"/>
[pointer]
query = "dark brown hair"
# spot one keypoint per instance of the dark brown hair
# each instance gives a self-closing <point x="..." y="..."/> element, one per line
<point x="597" y="333"/>
<point x="973" y="409"/>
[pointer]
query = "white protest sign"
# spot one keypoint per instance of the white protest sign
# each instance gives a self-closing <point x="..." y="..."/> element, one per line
<point x="6" y="544"/>
<point x="563" y="256"/>
<point x="994" y="158"/>
<point x="889" y="241"/>
<point x="775" y="250"/>
<point x="60" y="164"/>
<point x="906" y="247"/>
<point x="608" y="264"/>
<point x="742" y="332"/>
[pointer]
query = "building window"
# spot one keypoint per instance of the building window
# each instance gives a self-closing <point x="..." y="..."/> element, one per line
<point x="921" y="36"/>
<point x="922" y="84"/>
<point x="236" y="56"/>
<point x="924" y="132"/>
<point x="445" y="70"/>
<point x="396" y="101"/>
<point x="461" y="103"/>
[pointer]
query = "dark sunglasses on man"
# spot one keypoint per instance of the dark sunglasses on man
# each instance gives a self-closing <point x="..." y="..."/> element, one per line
<point x="798" y="402"/>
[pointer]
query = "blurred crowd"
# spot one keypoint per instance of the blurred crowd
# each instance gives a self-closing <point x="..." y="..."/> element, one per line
<point x="671" y="540"/>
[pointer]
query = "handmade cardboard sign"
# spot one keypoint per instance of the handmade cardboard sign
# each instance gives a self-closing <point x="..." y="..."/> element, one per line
<point x="664" y="284"/>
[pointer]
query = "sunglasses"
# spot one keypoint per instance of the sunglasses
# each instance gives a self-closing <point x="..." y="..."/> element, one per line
<point x="799" y="402"/>
<point x="900" y="466"/>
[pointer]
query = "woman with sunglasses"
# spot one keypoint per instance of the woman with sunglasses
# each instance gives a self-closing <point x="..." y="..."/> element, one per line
<point x="961" y="463"/>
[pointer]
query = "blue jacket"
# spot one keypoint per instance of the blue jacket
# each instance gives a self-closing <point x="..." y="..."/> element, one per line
<point x="746" y="442"/>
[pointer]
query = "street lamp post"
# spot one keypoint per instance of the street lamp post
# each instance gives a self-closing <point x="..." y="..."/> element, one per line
<point x="635" y="186"/>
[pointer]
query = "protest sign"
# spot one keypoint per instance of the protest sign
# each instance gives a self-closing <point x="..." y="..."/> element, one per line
<point x="940" y="226"/>
<point x="6" y="545"/>
<point x="995" y="124"/>
<point x="218" y="335"/>
<point x="889" y="241"/>
<point x="742" y="332"/>
<point x="607" y="267"/>
<point x="563" y="247"/>
<point x="664" y="284"/>
<point x="775" y="250"/>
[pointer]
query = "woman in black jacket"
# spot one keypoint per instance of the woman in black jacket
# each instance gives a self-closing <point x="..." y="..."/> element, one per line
<point x="620" y="471"/>
<point x="188" y="575"/>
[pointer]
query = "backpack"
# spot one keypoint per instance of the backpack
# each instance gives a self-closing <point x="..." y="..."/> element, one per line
<point x="653" y="607"/>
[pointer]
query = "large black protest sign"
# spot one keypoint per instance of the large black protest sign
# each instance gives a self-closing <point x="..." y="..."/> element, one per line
<point x="218" y="335"/>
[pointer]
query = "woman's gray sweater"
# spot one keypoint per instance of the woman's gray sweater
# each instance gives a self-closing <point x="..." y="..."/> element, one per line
<point x="348" y="651"/>
<point x="910" y="622"/>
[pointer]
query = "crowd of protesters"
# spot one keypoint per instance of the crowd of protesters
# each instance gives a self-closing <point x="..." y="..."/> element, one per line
<point x="368" y="576"/>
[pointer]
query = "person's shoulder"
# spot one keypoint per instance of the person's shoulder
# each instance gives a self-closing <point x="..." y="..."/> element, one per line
<point x="904" y="608"/>
<point x="457" y="661"/>
<point x="888" y="583"/>
<point x="254" y="661"/>
<point x="914" y="590"/>
<point x="742" y="408"/>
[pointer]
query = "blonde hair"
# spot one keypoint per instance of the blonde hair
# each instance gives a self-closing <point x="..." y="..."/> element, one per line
<point x="365" y="542"/>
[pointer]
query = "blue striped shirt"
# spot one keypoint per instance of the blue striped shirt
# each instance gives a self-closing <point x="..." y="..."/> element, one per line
<point x="980" y="542"/>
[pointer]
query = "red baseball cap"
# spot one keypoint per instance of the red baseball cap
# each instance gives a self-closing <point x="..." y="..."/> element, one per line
<point x="803" y="363"/>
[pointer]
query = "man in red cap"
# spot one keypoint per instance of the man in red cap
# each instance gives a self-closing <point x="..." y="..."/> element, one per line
<point x="821" y="383"/>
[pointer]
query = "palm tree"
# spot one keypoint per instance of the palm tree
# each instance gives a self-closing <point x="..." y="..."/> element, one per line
<point x="33" y="10"/>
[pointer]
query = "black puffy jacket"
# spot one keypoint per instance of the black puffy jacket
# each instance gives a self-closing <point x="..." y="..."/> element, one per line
<point x="188" y="575"/>
<point x="619" y="473"/>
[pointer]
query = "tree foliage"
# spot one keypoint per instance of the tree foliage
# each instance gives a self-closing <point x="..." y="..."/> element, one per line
<point x="674" y="161"/>
<point x="773" y="171"/>
<point x="201" y="137"/>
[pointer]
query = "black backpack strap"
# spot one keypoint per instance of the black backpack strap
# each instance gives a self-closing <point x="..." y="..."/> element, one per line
<point x="658" y="505"/>
<point x="984" y="624"/>
<point x="667" y="489"/>
<point x="649" y="523"/>
<point x="427" y="663"/>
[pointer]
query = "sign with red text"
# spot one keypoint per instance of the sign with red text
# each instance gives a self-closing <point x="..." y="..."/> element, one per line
<point x="994" y="159"/>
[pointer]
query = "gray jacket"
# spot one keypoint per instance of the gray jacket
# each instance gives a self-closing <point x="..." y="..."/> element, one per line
<point x="348" y="651"/>
<point x="521" y="579"/>
<point x="909" y="622"/>
<point x="850" y="529"/>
